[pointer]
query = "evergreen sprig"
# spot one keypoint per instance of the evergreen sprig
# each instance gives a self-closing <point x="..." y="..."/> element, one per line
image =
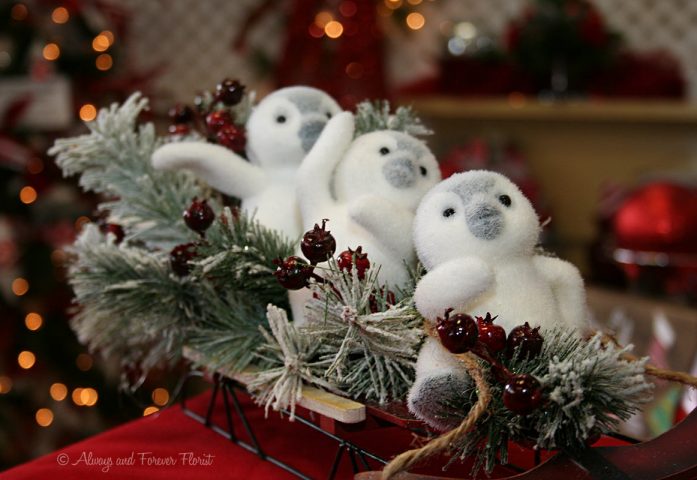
<point x="590" y="389"/>
<point x="114" y="160"/>
<point x="377" y="115"/>
<point x="129" y="305"/>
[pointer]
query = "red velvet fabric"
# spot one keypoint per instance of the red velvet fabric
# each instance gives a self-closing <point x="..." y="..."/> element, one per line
<point x="168" y="437"/>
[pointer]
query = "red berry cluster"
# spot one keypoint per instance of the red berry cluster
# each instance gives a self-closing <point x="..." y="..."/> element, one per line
<point x="198" y="217"/>
<point x="213" y="116"/>
<point x="318" y="245"/>
<point x="460" y="333"/>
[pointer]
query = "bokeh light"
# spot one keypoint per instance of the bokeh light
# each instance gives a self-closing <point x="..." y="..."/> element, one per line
<point x="160" y="396"/>
<point x="19" y="12"/>
<point x="33" y="321"/>
<point x="5" y="384"/>
<point x="20" y="286"/>
<point x="415" y="20"/>
<point x="88" y="112"/>
<point x="58" y="392"/>
<point x="60" y="15"/>
<point x="26" y="359"/>
<point x="84" y="361"/>
<point x="150" y="410"/>
<point x="104" y="62"/>
<point x="51" y="51"/>
<point x="44" y="417"/>
<point x="333" y="29"/>
<point x="27" y="195"/>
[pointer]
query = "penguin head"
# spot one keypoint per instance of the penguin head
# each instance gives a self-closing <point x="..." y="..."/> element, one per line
<point x="476" y="213"/>
<point x="388" y="163"/>
<point x="286" y="124"/>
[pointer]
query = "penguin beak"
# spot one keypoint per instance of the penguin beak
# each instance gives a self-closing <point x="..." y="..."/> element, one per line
<point x="484" y="221"/>
<point x="309" y="132"/>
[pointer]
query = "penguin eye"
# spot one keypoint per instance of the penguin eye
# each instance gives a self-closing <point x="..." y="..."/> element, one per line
<point x="281" y="119"/>
<point x="423" y="171"/>
<point x="328" y="114"/>
<point x="505" y="200"/>
<point x="384" y="151"/>
<point x="448" y="212"/>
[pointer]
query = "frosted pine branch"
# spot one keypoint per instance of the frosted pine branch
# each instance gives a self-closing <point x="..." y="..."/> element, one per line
<point x="375" y="116"/>
<point x="114" y="160"/>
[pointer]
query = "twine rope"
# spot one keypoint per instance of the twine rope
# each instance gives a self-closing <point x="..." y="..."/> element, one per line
<point x="411" y="457"/>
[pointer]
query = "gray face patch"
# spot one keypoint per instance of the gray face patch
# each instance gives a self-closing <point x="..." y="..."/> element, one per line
<point x="467" y="189"/>
<point x="484" y="221"/>
<point x="400" y="172"/>
<point x="416" y="148"/>
<point x="306" y="101"/>
<point x="309" y="133"/>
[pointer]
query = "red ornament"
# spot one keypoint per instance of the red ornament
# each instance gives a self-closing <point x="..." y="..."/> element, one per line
<point x="522" y="394"/>
<point x="115" y="230"/>
<point x="230" y="92"/>
<point x="232" y="137"/>
<point x="528" y="339"/>
<point x="492" y="336"/>
<point x="179" y="258"/>
<point x="181" y="114"/>
<point x="318" y="244"/>
<point x="458" y="333"/>
<point x="349" y="257"/>
<point x="199" y="216"/>
<point x="218" y="119"/>
<point x="293" y="273"/>
<point x="659" y="217"/>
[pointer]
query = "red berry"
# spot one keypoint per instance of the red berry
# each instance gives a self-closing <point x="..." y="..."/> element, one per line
<point x="318" y="244"/>
<point x="181" y="114"/>
<point x="528" y="339"/>
<point x="229" y="92"/>
<point x="115" y="230"/>
<point x="293" y="273"/>
<point x="218" y="119"/>
<point x="390" y="299"/>
<point x="491" y="335"/>
<point x="179" y="258"/>
<point x="199" y="216"/>
<point x="349" y="257"/>
<point x="458" y="333"/>
<point x="522" y="394"/>
<point x="231" y="137"/>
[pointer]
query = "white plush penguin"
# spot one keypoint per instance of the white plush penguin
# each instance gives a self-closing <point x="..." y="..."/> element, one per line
<point x="369" y="189"/>
<point x="280" y="132"/>
<point x="476" y="234"/>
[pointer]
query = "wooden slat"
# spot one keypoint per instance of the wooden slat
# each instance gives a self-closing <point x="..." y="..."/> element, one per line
<point x="323" y="403"/>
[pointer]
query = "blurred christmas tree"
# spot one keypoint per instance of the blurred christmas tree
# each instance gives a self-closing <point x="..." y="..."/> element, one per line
<point x="57" y="61"/>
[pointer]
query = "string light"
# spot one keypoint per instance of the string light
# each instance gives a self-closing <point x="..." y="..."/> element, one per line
<point x="58" y="392"/>
<point x="393" y="4"/>
<point x="348" y="8"/>
<point x="19" y="12"/>
<point x="27" y="195"/>
<point x="20" y="286"/>
<point x="51" y="51"/>
<point x="109" y="36"/>
<point x="88" y="112"/>
<point x="33" y="321"/>
<point x="104" y="62"/>
<point x="323" y="18"/>
<point x="26" y="359"/>
<point x="354" y="70"/>
<point x="333" y="29"/>
<point x="84" y="362"/>
<point x="88" y="397"/>
<point x="77" y="397"/>
<point x="150" y="410"/>
<point x="35" y="166"/>
<point x="60" y="15"/>
<point x="415" y="20"/>
<point x="44" y="417"/>
<point x="5" y="384"/>
<point x="160" y="396"/>
<point x="100" y="43"/>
